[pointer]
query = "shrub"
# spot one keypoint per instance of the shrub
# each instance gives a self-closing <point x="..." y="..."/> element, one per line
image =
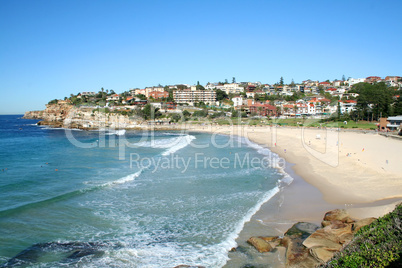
<point x="200" y="113"/>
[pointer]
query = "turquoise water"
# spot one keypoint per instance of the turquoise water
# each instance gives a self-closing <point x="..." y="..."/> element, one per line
<point x="125" y="198"/>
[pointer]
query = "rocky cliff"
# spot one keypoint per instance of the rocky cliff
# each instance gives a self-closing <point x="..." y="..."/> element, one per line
<point x="68" y="116"/>
<point x="33" y="115"/>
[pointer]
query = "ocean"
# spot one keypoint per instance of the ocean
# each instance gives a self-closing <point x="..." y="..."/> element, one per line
<point x="126" y="198"/>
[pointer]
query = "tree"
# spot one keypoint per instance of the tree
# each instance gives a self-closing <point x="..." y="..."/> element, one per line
<point x="181" y="87"/>
<point x="150" y="112"/>
<point x="221" y="95"/>
<point x="398" y="106"/>
<point x="343" y="78"/>
<point x="141" y="96"/>
<point x="175" y="117"/>
<point x="292" y="84"/>
<point x="199" y="87"/>
<point x="55" y="101"/>
<point x="201" y="113"/>
<point x="321" y="89"/>
<point x="373" y="100"/>
<point x="198" y="83"/>
<point x="186" y="113"/>
<point x="226" y="81"/>
<point x="281" y="81"/>
<point x="233" y="80"/>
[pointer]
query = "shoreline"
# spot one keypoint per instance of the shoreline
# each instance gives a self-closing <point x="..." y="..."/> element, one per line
<point x="307" y="155"/>
<point x="359" y="172"/>
<point x="356" y="181"/>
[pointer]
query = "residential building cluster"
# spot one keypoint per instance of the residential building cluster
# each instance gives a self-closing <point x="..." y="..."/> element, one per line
<point x="246" y="96"/>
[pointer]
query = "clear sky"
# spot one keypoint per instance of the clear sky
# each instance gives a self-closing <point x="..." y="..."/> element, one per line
<point x="50" y="49"/>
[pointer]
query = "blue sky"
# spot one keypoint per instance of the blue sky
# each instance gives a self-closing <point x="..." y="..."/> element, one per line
<point x="50" y="49"/>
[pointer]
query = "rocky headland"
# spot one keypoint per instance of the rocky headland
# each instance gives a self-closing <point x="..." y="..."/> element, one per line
<point x="65" y="115"/>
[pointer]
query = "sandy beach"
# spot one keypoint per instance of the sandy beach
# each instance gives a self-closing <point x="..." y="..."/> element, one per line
<point x="347" y="167"/>
<point x="358" y="171"/>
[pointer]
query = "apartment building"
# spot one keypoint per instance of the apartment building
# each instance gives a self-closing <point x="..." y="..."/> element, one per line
<point x="193" y="96"/>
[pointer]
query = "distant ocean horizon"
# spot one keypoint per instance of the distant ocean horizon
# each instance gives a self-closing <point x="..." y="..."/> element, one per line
<point x="126" y="198"/>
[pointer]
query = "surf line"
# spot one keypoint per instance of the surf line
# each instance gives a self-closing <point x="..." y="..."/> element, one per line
<point x="172" y="161"/>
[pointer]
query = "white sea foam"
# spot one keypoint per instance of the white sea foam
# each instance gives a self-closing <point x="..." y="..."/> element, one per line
<point x="182" y="142"/>
<point x="172" y="134"/>
<point x="125" y="179"/>
<point x="223" y="248"/>
<point x="287" y="179"/>
<point x="171" y="144"/>
<point x="119" y="132"/>
<point x="59" y="128"/>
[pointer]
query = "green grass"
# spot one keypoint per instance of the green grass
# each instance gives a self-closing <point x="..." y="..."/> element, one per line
<point x="376" y="245"/>
<point x="319" y="123"/>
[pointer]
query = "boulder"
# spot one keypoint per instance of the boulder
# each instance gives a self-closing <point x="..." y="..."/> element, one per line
<point x="274" y="241"/>
<point x="323" y="239"/>
<point x="270" y="238"/>
<point x="297" y="255"/>
<point x="359" y="224"/>
<point x="260" y="244"/>
<point x="337" y="215"/>
<point x="338" y="229"/>
<point x="337" y="224"/>
<point x="302" y="230"/>
<point x="325" y="223"/>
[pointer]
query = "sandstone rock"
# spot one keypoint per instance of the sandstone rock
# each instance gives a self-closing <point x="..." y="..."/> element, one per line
<point x="66" y="115"/>
<point x="321" y="254"/>
<point x="302" y="230"/>
<point x="359" y="224"/>
<point x="323" y="239"/>
<point x="338" y="229"/>
<point x="337" y="214"/>
<point x="269" y="238"/>
<point x="325" y="223"/>
<point x="297" y="255"/>
<point x="337" y="224"/>
<point x="260" y="244"/>
<point x="33" y="115"/>
<point x="345" y="238"/>
<point x="273" y="241"/>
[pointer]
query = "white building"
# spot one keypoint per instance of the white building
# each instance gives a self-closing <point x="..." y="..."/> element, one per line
<point x="146" y="91"/>
<point x="233" y="88"/>
<point x="394" y="122"/>
<point x="347" y="106"/>
<point x="88" y="93"/>
<point x="250" y="94"/>
<point x="192" y="96"/>
<point x="352" y="81"/>
<point x="114" y="97"/>
<point x="237" y="101"/>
